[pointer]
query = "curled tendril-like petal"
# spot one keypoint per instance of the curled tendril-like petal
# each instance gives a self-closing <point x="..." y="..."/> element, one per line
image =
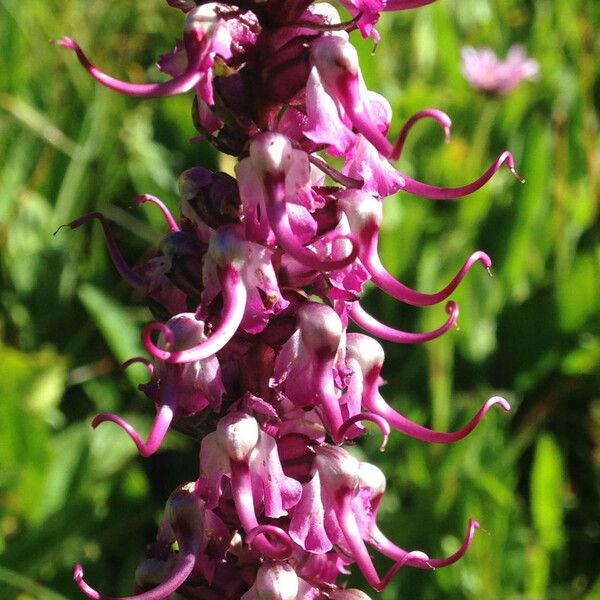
<point x="369" y="323"/>
<point x="173" y="226"/>
<point x="441" y="117"/>
<point x="408" y="427"/>
<point x="392" y="5"/>
<point x="418" y="188"/>
<point x="279" y="221"/>
<point x="159" y="429"/>
<point x="178" y="85"/>
<point x="183" y="566"/>
<point x="126" y="272"/>
<point x="387" y="283"/>
<point x="380" y="421"/>
<point x="139" y="359"/>
<point x="155" y="351"/>
<point x="357" y="546"/>
<point x="234" y="305"/>
<point x="385" y="546"/>
<point x="272" y="530"/>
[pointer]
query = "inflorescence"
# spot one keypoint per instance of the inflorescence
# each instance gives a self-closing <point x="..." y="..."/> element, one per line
<point x="261" y="276"/>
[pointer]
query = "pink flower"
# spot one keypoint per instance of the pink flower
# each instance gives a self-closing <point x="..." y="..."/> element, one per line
<point x="259" y="279"/>
<point x="486" y="72"/>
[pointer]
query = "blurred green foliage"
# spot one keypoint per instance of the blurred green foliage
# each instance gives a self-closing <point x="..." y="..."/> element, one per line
<point x="532" y="332"/>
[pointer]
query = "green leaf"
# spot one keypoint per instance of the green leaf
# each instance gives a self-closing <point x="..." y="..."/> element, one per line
<point x="577" y="293"/>
<point x="119" y="329"/>
<point x="29" y="586"/>
<point x="547" y="490"/>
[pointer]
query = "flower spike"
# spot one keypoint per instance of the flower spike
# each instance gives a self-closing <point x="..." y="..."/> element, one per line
<point x="256" y="279"/>
<point x="363" y="319"/>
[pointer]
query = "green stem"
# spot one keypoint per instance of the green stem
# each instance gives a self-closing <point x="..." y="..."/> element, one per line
<point x="28" y="585"/>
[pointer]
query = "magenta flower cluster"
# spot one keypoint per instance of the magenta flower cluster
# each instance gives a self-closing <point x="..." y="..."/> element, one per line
<point x="261" y="276"/>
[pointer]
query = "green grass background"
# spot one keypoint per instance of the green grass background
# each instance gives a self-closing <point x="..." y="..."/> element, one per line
<point x="532" y="332"/>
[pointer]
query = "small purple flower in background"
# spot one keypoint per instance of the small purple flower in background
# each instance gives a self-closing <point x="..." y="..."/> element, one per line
<point x="485" y="71"/>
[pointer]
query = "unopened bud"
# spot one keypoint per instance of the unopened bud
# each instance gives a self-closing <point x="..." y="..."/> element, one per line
<point x="366" y="351"/>
<point x="334" y="56"/>
<point x="187" y="331"/>
<point x="361" y="209"/>
<point x="271" y="154"/>
<point x="238" y="434"/>
<point x="184" y="509"/>
<point x="213" y="198"/>
<point x="151" y="572"/>
<point x="203" y="17"/>
<point x="276" y="581"/>
<point x="372" y="477"/>
<point x="337" y="468"/>
<point x="329" y="13"/>
<point x="320" y="327"/>
<point x="227" y="247"/>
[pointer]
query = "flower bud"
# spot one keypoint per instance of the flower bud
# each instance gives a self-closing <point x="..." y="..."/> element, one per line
<point x="372" y="477"/>
<point x="238" y="434"/>
<point x="337" y="468"/>
<point x="365" y="350"/>
<point x="227" y="247"/>
<point x="184" y="509"/>
<point x="320" y="327"/>
<point x="328" y="13"/>
<point x="361" y="209"/>
<point x="151" y="572"/>
<point x="187" y="331"/>
<point x="203" y="18"/>
<point x="213" y="198"/>
<point x="276" y="581"/>
<point x="271" y="154"/>
<point x="334" y="56"/>
<point x="192" y="181"/>
<point x="184" y="253"/>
